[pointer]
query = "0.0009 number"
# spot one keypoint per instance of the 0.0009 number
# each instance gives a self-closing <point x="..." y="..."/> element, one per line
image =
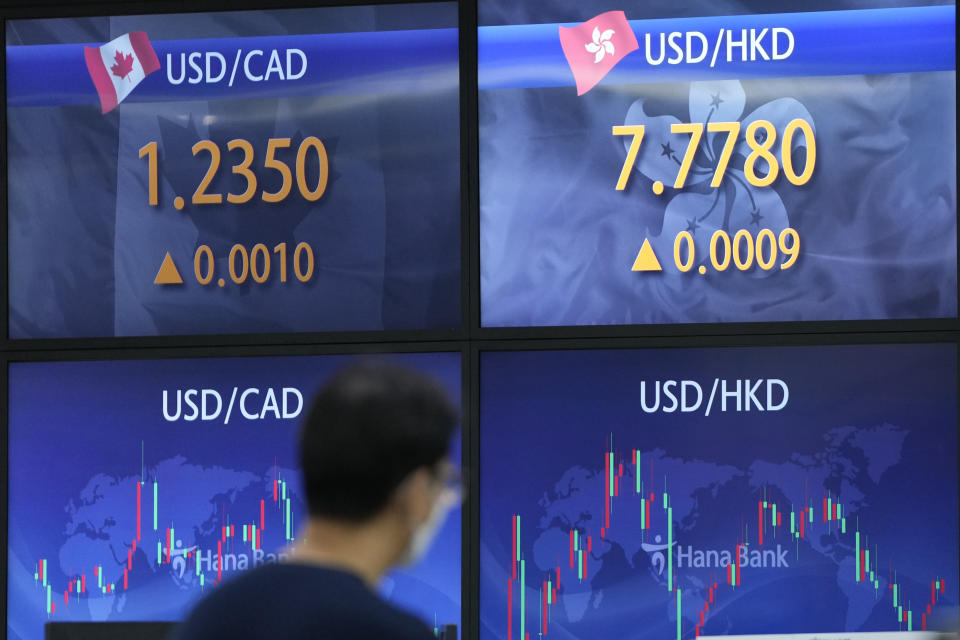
<point x="255" y="263"/>
<point x="743" y="251"/>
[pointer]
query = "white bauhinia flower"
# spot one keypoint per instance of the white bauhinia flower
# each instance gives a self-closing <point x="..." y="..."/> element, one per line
<point x="601" y="44"/>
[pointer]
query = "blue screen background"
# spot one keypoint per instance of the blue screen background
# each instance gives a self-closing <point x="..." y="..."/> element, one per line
<point x="874" y="425"/>
<point x="877" y="219"/>
<point x="76" y="432"/>
<point x="85" y="245"/>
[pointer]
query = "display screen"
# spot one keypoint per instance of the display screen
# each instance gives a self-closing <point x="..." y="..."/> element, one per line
<point x="674" y="163"/>
<point x="678" y="493"/>
<point x="248" y="172"/>
<point x="138" y="486"/>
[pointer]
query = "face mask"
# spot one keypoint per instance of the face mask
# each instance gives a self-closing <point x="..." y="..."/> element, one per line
<point x="423" y="536"/>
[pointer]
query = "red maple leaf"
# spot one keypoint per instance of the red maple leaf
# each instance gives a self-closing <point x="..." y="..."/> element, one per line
<point x="123" y="65"/>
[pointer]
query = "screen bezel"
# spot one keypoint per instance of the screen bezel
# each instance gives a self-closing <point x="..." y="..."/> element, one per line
<point x="19" y="10"/>
<point x="217" y="353"/>
<point x="701" y="342"/>
<point x="684" y="329"/>
<point x="470" y="339"/>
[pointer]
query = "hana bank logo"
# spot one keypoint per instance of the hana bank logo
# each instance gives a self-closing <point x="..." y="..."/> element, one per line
<point x="178" y="558"/>
<point x="117" y="67"/>
<point x="744" y="555"/>
<point x="655" y="551"/>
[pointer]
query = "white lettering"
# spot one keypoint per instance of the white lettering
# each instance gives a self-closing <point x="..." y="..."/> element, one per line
<point x="756" y="44"/>
<point x="166" y="415"/>
<point x="667" y="386"/>
<point x="786" y="394"/>
<point x="751" y="394"/>
<point x="643" y="397"/>
<point x="686" y="406"/>
<point x="183" y="69"/>
<point x="193" y="59"/>
<point x="704" y="47"/>
<point x="243" y="403"/>
<point x="205" y="560"/>
<point x="270" y="404"/>
<point x="246" y="65"/>
<point x="733" y="44"/>
<point x="291" y="391"/>
<point x="188" y="400"/>
<point x="775" y="48"/>
<point x="274" y="66"/>
<point x="213" y="55"/>
<point x="303" y="64"/>
<point x="663" y="49"/>
<point x="673" y="41"/>
<point x="210" y="393"/>
<point x="724" y="394"/>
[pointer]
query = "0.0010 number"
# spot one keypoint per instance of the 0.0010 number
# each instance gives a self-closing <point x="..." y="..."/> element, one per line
<point x="742" y="251"/>
<point x="255" y="264"/>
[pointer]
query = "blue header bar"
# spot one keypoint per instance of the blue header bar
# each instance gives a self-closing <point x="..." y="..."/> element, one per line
<point x="823" y="43"/>
<point x="381" y="62"/>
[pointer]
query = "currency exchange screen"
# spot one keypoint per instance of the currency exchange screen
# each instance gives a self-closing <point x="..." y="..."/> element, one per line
<point x="659" y="163"/>
<point x="235" y="173"/>
<point x="746" y="492"/>
<point x="150" y="482"/>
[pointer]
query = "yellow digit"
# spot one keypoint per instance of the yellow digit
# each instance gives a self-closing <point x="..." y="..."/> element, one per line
<point x="244" y="260"/>
<point x="281" y="250"/>
<point x="695" y="129"/>
<point x="243" y="169"/>
<point x="312" y="143"/>
<point x="787" y="146"/>
<point x="150" y="151"/>
<point x="200" y="196"/>
<point x="203" y="251"/>
<point x="260" y="249"/>
<point x="272" y="163"/>
<point x="303" y="275"/>
<point x="722" y="235"/>
<point x="732" y="129"/>
<point x="746" y="263"/>
<point x="635" y="130"/>
<point x="761" y="150"/>
<point x="793" y="251"/>
<point x="766" y="263"/>
<point x="683" y="267"/>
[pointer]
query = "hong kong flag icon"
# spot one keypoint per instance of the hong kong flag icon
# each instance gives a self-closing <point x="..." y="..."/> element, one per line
<point x="119" y="66"/>
<point x="595" y="47"/>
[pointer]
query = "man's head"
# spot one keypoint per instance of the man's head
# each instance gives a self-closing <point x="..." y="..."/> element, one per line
<point x="374" y="447"/>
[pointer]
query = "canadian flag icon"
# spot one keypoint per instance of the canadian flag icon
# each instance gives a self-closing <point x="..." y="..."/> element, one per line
<point x="119" y="66"/>
<point x="595" y="47"/>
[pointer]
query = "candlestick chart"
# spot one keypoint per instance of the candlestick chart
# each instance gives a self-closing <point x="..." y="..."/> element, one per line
<point x="803" y="520"/>
<point x="240" y="543"/>
<point x="126" y="505"/>
<point x="835" y="514"/>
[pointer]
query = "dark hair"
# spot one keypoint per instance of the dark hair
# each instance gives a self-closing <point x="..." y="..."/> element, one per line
<point x="370" y="426"/>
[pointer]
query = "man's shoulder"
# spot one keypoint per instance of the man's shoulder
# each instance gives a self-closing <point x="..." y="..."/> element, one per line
<point x="394" y="623"/>
<point x="299" y="601"/>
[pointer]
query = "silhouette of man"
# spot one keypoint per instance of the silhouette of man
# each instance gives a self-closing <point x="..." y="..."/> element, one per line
<point x="378" y="484"/>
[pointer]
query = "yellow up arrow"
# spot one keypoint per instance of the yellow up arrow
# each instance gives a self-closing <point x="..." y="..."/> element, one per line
<point x="168" y="273"/>
<point x="646" y="259"/>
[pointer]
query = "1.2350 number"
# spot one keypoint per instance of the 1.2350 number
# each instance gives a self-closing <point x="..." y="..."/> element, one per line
<point x="310" y="190"/>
